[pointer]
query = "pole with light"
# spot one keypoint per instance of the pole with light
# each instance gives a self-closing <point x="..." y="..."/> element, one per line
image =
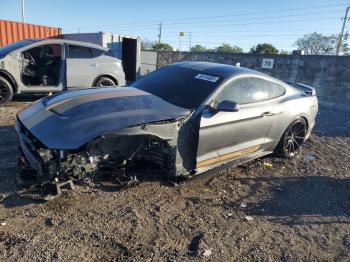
<point x="181" y="34"/>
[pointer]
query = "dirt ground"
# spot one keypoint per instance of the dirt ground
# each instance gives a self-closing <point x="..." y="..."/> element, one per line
<point x="294" y="210"/>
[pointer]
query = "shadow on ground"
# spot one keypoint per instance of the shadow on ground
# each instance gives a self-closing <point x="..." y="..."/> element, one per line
<point x="298" y="200"/>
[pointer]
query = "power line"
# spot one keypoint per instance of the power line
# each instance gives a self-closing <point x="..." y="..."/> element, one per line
<point x="274" y="22"/>
<point x="217" y="16"/>
<point x="259" y="18"/>
<point x="220" y="25"/>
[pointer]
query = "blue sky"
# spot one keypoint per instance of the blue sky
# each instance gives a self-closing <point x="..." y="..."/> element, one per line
<point x="241" y="23"/>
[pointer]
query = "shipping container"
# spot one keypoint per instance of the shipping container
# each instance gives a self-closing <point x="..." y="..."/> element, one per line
<point x="11" y="31"/>
<point x="127" y="48"/>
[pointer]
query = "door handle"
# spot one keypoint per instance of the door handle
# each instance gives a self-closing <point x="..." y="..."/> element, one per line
<point x="93" y="65"/>
<point x="268" y="113"/>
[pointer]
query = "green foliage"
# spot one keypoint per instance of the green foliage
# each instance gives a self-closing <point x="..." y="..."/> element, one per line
<point x="264" y="48"/>
<point x="198" y="48"/>
<point x="155" y="46"/>
<point x="227" y="48"/>
<point x="162" y="47"/>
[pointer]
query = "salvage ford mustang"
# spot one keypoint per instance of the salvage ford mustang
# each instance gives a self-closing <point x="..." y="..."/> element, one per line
<point x="184" y="118"/>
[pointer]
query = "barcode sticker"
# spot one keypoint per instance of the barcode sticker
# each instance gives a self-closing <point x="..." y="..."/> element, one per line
<point x="207" y="78"/>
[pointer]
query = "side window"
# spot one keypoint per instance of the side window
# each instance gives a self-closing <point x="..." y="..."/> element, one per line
<point x="97" y="52"/>
<point x="276" y="90"/>
<point x="256" y="90"/>
<point x="232" y="92"/>
<point x="111" y="53"/>
<point x="79" y="51"/>
<point x="245" y="91"/>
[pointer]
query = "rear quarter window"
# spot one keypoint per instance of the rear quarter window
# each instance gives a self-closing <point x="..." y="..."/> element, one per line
<point x="79" y="52"/>
<point x="97" y="52"/>
<point x="276" y="90"/>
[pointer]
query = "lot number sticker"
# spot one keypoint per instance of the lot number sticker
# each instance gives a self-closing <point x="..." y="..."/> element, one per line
<point x="207" y="78"/>
<point x="267" y="63"/>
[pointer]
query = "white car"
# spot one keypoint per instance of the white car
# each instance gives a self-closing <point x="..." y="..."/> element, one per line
<point x="54" y="65"/>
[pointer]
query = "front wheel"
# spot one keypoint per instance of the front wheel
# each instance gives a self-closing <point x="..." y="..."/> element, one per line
<point x="105" y="81"/>
<point x="6" y="91"/>
<point x="292" y="139"/>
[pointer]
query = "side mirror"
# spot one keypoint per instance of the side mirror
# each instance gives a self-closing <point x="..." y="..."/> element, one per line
<point x="227" y="106"/>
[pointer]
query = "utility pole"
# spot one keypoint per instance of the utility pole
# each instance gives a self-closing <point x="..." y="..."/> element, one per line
<point x="160" y="32"/>
<point x="340" y="41"/>
<point x="181" y="34"/>
<point x="22" y="3"/>
<point x="190" y="41"/>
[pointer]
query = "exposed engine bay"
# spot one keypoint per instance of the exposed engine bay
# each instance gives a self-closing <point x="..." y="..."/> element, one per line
<point x="120" y="156"/>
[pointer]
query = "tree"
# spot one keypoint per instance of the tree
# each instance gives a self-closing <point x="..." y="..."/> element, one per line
<point x="146" y="44"/>
<point x="317" y="44"/>
<point x="162" y="47"/>
<point x="345" y="49"/>
<point x="264" y="48"/>
<point x="227" y="48"/>
<point x="198" y="48"/>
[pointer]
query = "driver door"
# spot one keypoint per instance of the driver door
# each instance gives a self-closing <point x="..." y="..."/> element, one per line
<point x="41" y="68"/>
<point x="224" y="136"/>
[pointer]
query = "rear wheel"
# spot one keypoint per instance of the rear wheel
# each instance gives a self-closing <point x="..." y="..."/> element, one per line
<point x="292" y="139"/>
<point x="105" y="81"/>
<point x="6" y="91"/>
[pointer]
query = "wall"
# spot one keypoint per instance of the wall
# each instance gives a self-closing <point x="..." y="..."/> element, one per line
<point x="330" y="75"/>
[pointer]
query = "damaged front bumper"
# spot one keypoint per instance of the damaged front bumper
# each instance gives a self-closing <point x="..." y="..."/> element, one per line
<point x="117" y="153"/>
<point x="48" y="165"/>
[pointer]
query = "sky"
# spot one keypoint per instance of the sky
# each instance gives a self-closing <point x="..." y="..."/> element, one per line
<point x="206" y="22"/>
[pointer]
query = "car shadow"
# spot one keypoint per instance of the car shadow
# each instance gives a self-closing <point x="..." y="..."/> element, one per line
<point x="296" y="200"/>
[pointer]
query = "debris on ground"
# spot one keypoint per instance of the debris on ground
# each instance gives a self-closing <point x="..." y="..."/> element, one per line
<point x="249" y="218"/>
<point x="243" y="205"/>
<point x="310" y="158"/>
<point x="3" y="224"/>
<point x="268" y="164"/>
<point x="207" y="253"/>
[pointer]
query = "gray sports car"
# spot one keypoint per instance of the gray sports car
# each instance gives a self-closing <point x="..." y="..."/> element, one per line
<point x="184" y="118"/>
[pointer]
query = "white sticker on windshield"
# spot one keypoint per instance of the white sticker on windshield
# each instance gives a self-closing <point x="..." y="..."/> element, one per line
<point x="207" y="78"/>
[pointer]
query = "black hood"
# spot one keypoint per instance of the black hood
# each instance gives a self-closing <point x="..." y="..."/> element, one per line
<point x="71" y="119"/>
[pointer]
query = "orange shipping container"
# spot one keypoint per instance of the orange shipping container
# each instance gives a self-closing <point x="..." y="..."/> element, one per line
<point x="11" y="31"/>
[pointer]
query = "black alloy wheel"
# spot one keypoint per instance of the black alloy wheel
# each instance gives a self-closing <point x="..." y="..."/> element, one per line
<point x="292" y="139"/>
<point x="6" y="91"/>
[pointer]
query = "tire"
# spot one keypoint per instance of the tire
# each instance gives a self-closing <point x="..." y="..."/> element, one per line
<point x="292" y="139"/>
<point x="105" y="81"/>
<point x="6" y="91"/>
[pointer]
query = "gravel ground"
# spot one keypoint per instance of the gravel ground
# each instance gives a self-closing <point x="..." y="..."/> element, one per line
<point x="268" y="210"/>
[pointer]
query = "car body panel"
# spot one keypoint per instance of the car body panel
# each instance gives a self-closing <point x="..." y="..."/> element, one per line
<point x="80" y="116"/>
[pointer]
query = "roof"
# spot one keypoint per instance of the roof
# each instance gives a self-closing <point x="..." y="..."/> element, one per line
<point x="216" y="69"/>
<point x="73" y="42"/>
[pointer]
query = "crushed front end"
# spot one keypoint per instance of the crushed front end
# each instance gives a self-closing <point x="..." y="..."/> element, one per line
<point x="49" y="165"/>
<point x="120" y="154"/>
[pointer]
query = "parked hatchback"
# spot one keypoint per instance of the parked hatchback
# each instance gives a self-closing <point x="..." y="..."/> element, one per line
<point x="54" y="65"/>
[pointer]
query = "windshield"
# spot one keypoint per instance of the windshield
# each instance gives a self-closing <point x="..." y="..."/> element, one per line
<point x="183" y="87"/>
<point x="13" y="46"/>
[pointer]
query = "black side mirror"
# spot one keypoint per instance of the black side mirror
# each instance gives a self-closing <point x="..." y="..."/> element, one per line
<point x="227" y="106"/>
